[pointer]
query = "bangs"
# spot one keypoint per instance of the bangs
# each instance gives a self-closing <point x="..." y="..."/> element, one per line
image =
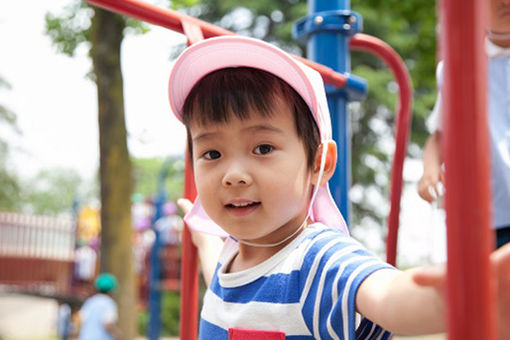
<point x="238" y="92"/>
<point x="231" y="93"/>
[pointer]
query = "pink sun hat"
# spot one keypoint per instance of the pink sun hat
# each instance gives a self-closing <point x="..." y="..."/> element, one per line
<point x="217" y="53"/>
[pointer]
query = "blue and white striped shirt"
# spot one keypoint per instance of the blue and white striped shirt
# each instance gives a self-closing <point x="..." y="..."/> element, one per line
<point x="306" y="291"/>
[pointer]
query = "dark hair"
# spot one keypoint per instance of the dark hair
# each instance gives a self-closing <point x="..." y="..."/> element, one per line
<point x="236" y="92"/>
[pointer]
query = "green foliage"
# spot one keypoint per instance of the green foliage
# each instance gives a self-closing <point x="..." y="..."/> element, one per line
<point x="146" y="173"/>
<point x="170" y="311"/>
<point x="409" y="27"/>
<point x="10" y="189"/>
<point x="71" y="28"/>
<point x="9" y="182"/>
<point x="52" y="191"/>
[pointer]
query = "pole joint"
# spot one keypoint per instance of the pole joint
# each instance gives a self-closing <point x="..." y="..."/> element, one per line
<point x="340" y="21"/>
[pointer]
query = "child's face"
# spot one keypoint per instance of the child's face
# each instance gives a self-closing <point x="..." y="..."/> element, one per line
<point x="499" y="18"/>
<point x="252" y="175"/>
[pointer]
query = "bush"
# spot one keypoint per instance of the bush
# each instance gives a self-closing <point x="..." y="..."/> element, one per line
<point x="170" y="310"/>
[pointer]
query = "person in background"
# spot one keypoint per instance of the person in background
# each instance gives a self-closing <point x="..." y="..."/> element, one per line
<point x="63" y="321"/>
<point x="498" y="72"/>
<point x="97" y="317"/>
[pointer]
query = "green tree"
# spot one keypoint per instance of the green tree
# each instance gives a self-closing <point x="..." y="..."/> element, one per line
<point x="104" y="31"/>
<point x="146" y="172"/>
<point x="9" y="182"/>
<point x="409" y="27"/>
<point x="52" y="191"/>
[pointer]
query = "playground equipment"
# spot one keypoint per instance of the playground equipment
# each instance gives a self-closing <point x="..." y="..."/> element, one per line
<point x="470" y="309"/>
<point x="36" y="253"/>
<point x="196" y="30"/>
<point x="39" y="256"/>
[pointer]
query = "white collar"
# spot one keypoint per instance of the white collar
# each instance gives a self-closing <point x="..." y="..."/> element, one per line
<point x="495" y="51"/>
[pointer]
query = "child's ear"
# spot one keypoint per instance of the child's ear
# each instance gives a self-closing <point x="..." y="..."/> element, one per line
<point x="330" y="164"/>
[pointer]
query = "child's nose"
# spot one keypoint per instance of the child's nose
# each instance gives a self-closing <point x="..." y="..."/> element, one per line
<point x="236" y="176"/>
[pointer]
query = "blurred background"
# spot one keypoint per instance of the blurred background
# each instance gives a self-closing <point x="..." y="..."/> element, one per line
<point x="53" y="236"/>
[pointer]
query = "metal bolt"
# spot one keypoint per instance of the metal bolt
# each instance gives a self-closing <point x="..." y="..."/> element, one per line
<point x="346" y="27"/>
<point x="318" y="20"/>
<point x="351" y="20"/>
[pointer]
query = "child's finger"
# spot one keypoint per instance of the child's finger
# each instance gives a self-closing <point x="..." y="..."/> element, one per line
<point x="185" y="204"/>
<point x="424" y="191"/>
<point x="440" y="189"/>
<point x="430" y="276"/>
<point x="501" y="259"/>
<point x="433" y="191"/>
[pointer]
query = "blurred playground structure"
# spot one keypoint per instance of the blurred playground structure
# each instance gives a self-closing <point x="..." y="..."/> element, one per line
<point x="59" y="257"/>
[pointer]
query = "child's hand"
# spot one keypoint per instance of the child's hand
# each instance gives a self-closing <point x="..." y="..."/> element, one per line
<point x="500" y="260"/>
<point x="430" y="183"/>
<point x="199" y="239"/>
<point x="185" y="204"/>
<point x="209" y="246"/>
<point x="432" y="276"/>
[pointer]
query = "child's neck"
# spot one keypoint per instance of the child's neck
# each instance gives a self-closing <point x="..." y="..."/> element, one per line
<point x="250" y="256"/>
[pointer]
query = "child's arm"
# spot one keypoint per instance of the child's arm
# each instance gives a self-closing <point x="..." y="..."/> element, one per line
<point x="432" y="173"/>
<point x="397" y="303"/>
<point x="209" y="247"/>
<point x="413" y="301"/>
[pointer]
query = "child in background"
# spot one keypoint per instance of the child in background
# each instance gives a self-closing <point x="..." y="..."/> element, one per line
<point x="97" y="318"/>
<point x="259" y="136"/>
<point x="498" y="72"/>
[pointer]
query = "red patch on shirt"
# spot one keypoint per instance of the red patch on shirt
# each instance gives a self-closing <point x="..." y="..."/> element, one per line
<point x="245" y="334"/>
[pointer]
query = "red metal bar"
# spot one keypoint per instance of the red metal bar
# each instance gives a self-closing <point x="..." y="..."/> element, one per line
<point x="363" y="42"/>
<point x="471" y="313"/>
<point x="163" y="17"/>
<point x="173" y="20"/>
<point x="189" y="269"/>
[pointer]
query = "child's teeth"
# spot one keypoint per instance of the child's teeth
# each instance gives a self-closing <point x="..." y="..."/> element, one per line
<point x="241" y="204"/>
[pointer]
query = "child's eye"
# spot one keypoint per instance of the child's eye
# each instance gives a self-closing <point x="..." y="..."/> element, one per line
<point x="263" y="149"/>
<point x="212" y="154"/>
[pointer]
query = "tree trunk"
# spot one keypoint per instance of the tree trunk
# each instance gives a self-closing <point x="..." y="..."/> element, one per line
<point x="115" y="166"/>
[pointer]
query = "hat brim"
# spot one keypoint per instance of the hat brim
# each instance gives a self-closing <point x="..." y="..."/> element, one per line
<point x="217" y="53"/>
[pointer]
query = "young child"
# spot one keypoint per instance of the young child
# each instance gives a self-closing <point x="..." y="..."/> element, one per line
<point x="97" y="318"/>
<point x="259" y="135"/>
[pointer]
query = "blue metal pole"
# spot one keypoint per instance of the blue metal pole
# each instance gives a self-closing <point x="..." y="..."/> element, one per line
<point x="331" y="49"/>
<point x="154" y="327"/>
<point x="327" y="27"/>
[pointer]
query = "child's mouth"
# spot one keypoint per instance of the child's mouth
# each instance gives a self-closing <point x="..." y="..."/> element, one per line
<point x="242" y="209"/>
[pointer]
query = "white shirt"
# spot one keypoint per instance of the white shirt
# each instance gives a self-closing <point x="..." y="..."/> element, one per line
<point x="498" y="73"/>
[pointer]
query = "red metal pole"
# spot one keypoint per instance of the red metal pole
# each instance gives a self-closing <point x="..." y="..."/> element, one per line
<point x="159" y="16"/>
<point x="189" y="269"/>
<point x="378" y="47"/>
<point x="471" y="313"/>
<point x="173" y="20"/>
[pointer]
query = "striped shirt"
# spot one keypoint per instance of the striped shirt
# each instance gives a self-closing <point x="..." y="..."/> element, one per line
<point x="305" y="291"/>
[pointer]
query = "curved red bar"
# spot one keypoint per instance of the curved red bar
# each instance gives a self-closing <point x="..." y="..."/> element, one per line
<point x="171" y="19"/>
<point x="363" y="42"/>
